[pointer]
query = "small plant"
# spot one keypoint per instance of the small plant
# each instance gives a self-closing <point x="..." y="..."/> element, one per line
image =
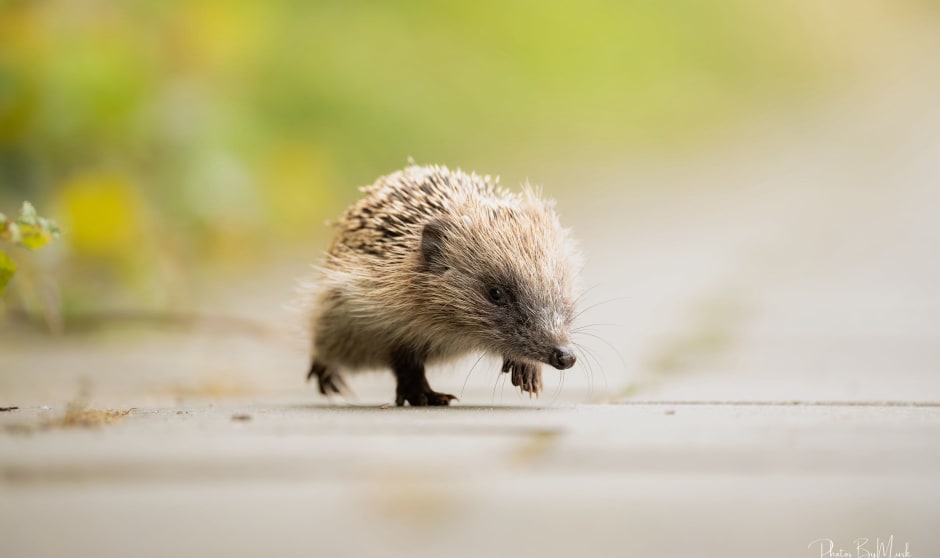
<point x="29" y="231"/>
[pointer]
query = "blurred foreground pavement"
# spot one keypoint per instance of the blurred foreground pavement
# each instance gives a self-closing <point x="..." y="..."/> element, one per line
<point x="772" y="381"/>
<point x="611" y="480"/>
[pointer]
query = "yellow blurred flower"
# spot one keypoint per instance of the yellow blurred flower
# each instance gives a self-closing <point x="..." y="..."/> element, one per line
<point x="101" y="214"/>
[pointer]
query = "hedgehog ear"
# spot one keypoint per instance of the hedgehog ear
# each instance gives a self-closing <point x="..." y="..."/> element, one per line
<point x="432" y="246"/>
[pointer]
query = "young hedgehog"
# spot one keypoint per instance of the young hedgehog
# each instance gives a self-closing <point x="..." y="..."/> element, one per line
<point x="431" y="264"/>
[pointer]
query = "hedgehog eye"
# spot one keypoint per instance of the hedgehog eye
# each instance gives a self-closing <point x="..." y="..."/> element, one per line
<point x="497" y="296"/>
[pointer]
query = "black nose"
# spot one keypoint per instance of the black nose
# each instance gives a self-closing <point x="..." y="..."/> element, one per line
<point x="562" y="358"/>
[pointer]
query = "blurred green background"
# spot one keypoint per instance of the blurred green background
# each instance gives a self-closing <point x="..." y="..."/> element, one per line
<point x="177" y="142"/>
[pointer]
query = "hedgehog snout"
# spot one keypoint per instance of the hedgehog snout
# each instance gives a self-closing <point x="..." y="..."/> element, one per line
<point x="554" y="344"/>
<point x="562" y="357"/>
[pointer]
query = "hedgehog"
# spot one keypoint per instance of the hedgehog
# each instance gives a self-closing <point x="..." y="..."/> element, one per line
<point x="431" y="264"/>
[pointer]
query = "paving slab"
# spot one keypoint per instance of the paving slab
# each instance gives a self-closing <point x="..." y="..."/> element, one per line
<point x="288" y="478"/>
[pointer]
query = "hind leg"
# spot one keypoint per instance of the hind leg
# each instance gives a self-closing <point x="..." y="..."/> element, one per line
<point x="413" y="386"/>
<point x="328" y="382"/>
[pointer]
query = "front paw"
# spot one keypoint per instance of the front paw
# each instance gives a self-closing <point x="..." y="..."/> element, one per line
<point x="526" y="375"/>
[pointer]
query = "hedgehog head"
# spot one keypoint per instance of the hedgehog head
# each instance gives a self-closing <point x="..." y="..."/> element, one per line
<point x="500" y="277"/>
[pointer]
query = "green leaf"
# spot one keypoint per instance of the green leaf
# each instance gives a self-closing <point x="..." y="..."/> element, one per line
<point x="7" y="269"/>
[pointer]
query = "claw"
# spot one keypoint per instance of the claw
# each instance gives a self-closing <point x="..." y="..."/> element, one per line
<point x="425" y="399"/>
<point x="334" y="383"/>
<point x="526" y="375"/>
<point x="328" y="383"/>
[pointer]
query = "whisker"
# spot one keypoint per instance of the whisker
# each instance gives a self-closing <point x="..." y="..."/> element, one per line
<point x="596" y="304"/>
<point x="585" y="293"/>
<point x="592" y="356"/>
<point x="586" y="326"/>
<point x="558" y="390"/>
<point x="623" y="361"/>
<point x="467" y="379"/>
<point x="502" y="389"/>
<point x="589" y="367"/>
<point x="496" y="385"/>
